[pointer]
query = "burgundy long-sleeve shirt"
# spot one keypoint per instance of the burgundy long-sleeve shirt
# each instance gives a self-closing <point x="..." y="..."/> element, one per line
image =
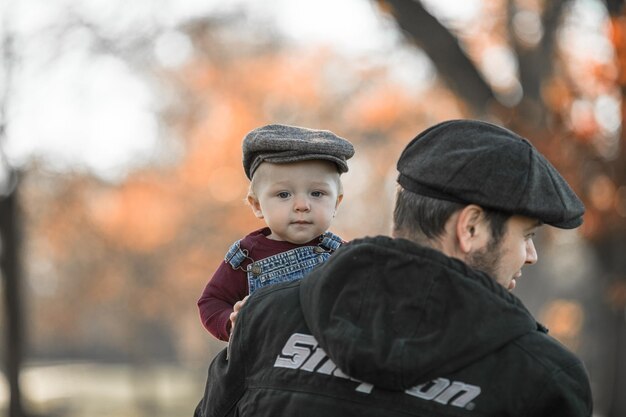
<point x="228" y="285"/>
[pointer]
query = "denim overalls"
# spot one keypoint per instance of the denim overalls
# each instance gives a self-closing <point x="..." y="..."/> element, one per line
<point x="286" y="266"/>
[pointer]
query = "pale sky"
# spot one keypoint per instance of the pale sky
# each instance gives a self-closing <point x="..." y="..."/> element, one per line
<point x="75" y="110"/>
<point x="79" y="110"/>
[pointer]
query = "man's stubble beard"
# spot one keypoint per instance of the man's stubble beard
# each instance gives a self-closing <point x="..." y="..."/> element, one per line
<point x="487" y="259"/>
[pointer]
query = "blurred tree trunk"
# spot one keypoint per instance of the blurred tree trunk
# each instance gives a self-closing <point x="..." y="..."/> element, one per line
<point x="9" y="266"/>
<point x="531" y="118"/>
<point x="9" y="240"/>
<point x="610" y="251"/>
<point x="612" y="248"/>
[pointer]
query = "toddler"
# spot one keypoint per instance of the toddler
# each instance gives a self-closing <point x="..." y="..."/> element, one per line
<point x="295" y="187"/>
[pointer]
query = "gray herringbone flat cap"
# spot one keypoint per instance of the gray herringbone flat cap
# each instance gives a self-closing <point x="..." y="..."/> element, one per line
<point x="470" y="161"/>
<point x="279" y="144"/>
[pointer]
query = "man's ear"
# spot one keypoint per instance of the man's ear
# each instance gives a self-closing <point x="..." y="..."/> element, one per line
<point x="470" y="228"/>
<point x="255" y="206"/>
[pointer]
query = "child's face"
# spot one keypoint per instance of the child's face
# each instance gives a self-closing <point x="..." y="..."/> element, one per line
<point x="297" y="200"/>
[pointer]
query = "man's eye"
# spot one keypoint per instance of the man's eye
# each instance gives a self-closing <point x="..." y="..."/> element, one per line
<point x="283" y="194"/>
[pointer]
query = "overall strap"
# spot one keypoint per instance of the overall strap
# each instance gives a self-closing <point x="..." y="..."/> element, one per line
<point x="330" y="241"/>
<point x="235" y="256"/>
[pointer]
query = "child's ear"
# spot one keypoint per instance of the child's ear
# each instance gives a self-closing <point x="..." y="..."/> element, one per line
<point x="256" y="206"/>
<point x="339" y="198"/>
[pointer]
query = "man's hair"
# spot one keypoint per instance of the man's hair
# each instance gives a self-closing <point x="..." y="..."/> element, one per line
<point x="417" y="217"/>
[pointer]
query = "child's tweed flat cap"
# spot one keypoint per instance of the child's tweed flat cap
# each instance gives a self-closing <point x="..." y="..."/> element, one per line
<point x="474" y="162"/>
<point x="280" y="144"/>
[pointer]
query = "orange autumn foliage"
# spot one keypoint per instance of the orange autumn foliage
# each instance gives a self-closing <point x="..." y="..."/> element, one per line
<point x="139" y="215"/>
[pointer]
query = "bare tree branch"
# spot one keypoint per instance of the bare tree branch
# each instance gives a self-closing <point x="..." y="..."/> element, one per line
<point x="453" y="65"/>
<point x="535" y="63"/>
<point x="615" y="7"/>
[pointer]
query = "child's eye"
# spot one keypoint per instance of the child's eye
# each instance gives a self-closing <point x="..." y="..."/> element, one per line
<point x="283" y="194"/>
<point x="317" y="193"/>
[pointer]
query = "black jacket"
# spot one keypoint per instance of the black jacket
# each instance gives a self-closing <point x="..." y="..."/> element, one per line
<point x="390" y="328"/>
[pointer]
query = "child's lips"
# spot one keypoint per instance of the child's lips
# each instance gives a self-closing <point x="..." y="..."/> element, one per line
<point x="301" y="222"/>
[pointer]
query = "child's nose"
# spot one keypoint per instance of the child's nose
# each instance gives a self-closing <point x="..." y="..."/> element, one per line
<point x="301" y="204"/>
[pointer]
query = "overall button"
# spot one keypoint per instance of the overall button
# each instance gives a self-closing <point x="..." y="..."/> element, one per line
<point x="256" y="270"/>
<point x="319" y="249"/>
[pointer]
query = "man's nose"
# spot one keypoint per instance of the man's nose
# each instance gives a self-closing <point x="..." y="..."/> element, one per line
<point x="531" y="252"/>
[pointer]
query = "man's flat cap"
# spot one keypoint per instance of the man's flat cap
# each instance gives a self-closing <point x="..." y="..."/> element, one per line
<point x="279" y="144"/>
<point x="474" y="162"/>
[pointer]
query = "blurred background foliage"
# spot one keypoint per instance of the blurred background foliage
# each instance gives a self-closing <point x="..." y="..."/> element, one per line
<point x="99" y="292"/>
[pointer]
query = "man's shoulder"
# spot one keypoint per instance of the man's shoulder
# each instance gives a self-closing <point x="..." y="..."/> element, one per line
<point x="283" y="295"/>
<point x="561" y="375"/>
<point x="550" y="356"/>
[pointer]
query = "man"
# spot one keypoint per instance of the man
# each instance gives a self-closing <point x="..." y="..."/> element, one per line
<point x="424" y="323"/>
